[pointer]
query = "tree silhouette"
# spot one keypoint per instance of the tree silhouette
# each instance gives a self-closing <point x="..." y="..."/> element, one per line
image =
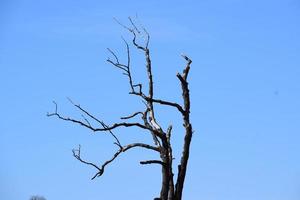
<point x="161" y="144"/>
<point x="37" y="198"/>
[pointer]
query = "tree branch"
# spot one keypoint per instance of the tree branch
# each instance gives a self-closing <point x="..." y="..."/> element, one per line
<point x="106" y="128"/>
<point x="77" y="155"/>
<point x="168" y="103"/>
<point x="147" y="162"/>
<point x="188" y="130"/>
<point x="87" y="124"/>
<point x="122" y="149"/>
<point x="131" y="116"/>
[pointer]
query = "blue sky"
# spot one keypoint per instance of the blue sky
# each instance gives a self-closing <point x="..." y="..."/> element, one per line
<point x="244" y="83"/>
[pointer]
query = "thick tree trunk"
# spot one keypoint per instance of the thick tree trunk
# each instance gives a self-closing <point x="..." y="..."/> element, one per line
<point x="166" y="174"/>
<point x="165" y="183"/>
<point x="183" y="164"/>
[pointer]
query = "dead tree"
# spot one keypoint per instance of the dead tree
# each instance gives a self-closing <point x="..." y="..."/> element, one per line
<point x="37" y="198"/>
<point x="161" y="144"/>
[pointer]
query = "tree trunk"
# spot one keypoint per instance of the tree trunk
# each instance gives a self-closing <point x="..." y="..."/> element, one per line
<point x="166" y="175"/>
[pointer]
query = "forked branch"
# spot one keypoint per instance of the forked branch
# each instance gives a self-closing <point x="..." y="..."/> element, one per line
<point x="122" y="149"/>
<point x="148" y="122"/>
<point x="104" y="128"/>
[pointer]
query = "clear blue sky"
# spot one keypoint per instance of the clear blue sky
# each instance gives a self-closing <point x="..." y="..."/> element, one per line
<point x="245" y="90"/>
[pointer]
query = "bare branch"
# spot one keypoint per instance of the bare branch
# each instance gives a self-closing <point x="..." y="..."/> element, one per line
<point x="134" y="26"/>
<point x="139" y="32"/>
<point x="84" y="110"/>
<point x="77" y="155"/>
<point x="114" y="54"/>
<point x="117" y="63"/>
<point x="142" y="145"/>
<point x="168" y="103"/>
<point x="123" y="124"/>
<point x="183" y="77"/>
<point x="188" y="130"/>
<point x="147" y="162"/>
<point x="104" y="126"/>
<point x="169" y="131"/>
<point x="96" y="119"/>
<point x="124" y="67"/>
<point x="86" y="120"/>
<point x="140" y="88"/>
<point x="128" y="65"/>
<point x="170" y="155"/>
<point x="114" y="136"/>
<point x="161" y="138"/>
<point x="121" y="24"/>
<point x="147" y="124"/>
<point x="134" y="31"/>
<point x="87" y="125"/>
<point x="131" y="116"/>
<point x="148" y="38"/>
<point x="122" y="150"/>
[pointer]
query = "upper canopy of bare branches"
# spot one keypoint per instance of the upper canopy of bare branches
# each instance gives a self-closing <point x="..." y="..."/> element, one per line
<point x="146" y="122"/>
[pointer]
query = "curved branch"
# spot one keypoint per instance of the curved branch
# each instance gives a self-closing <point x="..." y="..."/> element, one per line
<point x="133" y="115"/>
<point x="167" y="103"/>
<point x="122" y="124"/>
<point x="78" y="157"/>
<point x="122" y="149"/>
<point x="87" y="124"/>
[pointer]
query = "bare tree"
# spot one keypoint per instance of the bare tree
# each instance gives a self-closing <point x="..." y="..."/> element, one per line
<point x="161" y="144"/>
<point x="37" y="198"/>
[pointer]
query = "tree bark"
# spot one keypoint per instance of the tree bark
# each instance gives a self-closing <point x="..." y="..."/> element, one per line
<point x="188" y="131"/>
<point x="165" y="169"/>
